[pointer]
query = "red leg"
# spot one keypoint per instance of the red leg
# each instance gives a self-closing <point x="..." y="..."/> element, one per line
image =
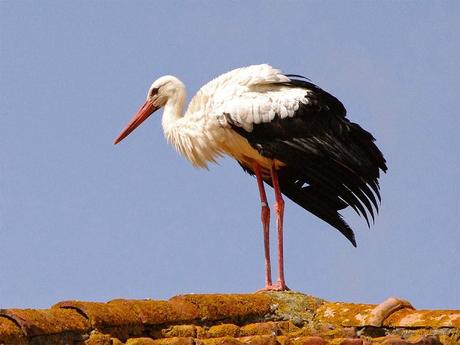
<point x="265" y="215"/>
<point x="279" y="210"/>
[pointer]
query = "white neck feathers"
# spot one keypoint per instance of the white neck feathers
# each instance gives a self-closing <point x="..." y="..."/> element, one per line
<point x="188" y="134"/>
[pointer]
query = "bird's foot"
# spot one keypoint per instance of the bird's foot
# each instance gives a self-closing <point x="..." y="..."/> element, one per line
<point x="278" y="286"/>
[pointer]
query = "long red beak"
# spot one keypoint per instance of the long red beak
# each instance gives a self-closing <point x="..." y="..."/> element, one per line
<point x="143" y="113"/>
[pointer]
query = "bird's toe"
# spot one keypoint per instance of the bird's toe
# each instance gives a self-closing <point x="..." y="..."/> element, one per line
<point x="278" y="286"/>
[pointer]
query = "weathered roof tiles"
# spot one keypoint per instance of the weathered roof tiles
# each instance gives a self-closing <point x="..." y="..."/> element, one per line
<point x="284" y="318"/>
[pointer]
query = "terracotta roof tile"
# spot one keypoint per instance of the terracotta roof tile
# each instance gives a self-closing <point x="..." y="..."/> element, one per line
<point x="10" y="332"/>
<point x="351" y="341"/>
<point x="308" y="341"/>
<point x="227" y="340"/>
<point x="222" y="330"/>
<point x="97" y="338"/>
<point x="48" y="321"/>
<point x="259" y="328"/>
<point x="221" y="307"/>
<point x="424" y="318"/>
<point x="277" y="318"/>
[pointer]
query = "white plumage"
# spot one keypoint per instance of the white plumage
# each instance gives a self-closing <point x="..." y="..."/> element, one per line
<point x="285" y="130"/>
<point x="248" y="95"/>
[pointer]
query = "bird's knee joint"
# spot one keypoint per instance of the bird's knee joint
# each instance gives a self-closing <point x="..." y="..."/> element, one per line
<point x="279" y="205"/>
<point x="265" y="208"/>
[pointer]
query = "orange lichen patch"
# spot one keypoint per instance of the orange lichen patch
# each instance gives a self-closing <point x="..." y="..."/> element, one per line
<point x="285" y="327"/>
<point x="140" y="341"/>
<point x="275" y="318"/>
<point x="166" y="341"/>
<point x="450" y="339"/>
<point x="308" y="341"/>
<point x="179" y="331"/>
<point x="223" y="307"/>
<point x="185" y="310"/>
<point x="218" y="341"/>
<point x="305" y="331"/>
<point x="47" y="321"/>
<point x="223" y="330"/>
<point x="261" y="328"/>
<point x="153" y="312"/>
<point x="347" y="341"/>
<point x="97" y="338"/>
<point x="424" y="318"/>
<point x="99" y="314"/>
<point x="250" y="340"/>
<point x="334" y="333"/>
<point x="10" y="331"/>
<point x="102" y="315"/>
<point x="282" y="340"/>
<point x="115" y="341"/>
<point x="259" y="340"/>
<point x="116" y="318"/>
<point x="389" y="339"/>
<point x="122" y="312"/>
<point x="345" y="314"/>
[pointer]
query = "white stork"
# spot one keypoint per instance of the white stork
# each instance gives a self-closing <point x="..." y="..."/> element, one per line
<point x="283" y="129"/>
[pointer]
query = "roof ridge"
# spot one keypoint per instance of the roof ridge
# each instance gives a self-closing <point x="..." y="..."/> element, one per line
<point x="196" y="317"/>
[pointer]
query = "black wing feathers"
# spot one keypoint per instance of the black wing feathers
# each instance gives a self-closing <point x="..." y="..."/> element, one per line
<point x="331" y="163"/>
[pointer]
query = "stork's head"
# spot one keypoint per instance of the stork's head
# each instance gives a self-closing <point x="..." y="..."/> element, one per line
<point x="160" y="92"/>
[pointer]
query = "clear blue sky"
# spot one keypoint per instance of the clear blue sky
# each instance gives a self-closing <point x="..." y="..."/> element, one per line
<point x="83" y="219"/>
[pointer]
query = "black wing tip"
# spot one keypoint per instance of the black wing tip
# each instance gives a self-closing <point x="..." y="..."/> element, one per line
<point x="345" y="229"/>
<point x="290" y="76"/>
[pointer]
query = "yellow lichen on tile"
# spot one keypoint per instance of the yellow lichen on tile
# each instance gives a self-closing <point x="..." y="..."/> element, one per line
<point x="424" y="318"/>
<point x="313" y="340"/>
<point x="179" y="331"/>
<point x="223" y="330"/>
<point x="35" y="322"/>
<point x="116" y="341"/>
<point x="11" y="332"/>
<point x="452" y="338"/>
<point x="347" y="341"/>
<point x="165" y="341"/>
<point x="140" y="341"/>
<point x="283" y="339"/>
<point x="223" y="307"/>
<point x="97" y="338"/>
<point x="99" y="314"/>
<point x="259" y="340"/>
<point x="153" y="312"/>
<point x="274" y="318"/>
<point x="218" y="341"/>
<point x="287" y="327"/>
<point x="261" y="328"/>
<point x="344" y="314"/>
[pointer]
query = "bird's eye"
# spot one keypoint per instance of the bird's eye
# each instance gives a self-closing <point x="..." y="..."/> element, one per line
<point x="153" y="92"/>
